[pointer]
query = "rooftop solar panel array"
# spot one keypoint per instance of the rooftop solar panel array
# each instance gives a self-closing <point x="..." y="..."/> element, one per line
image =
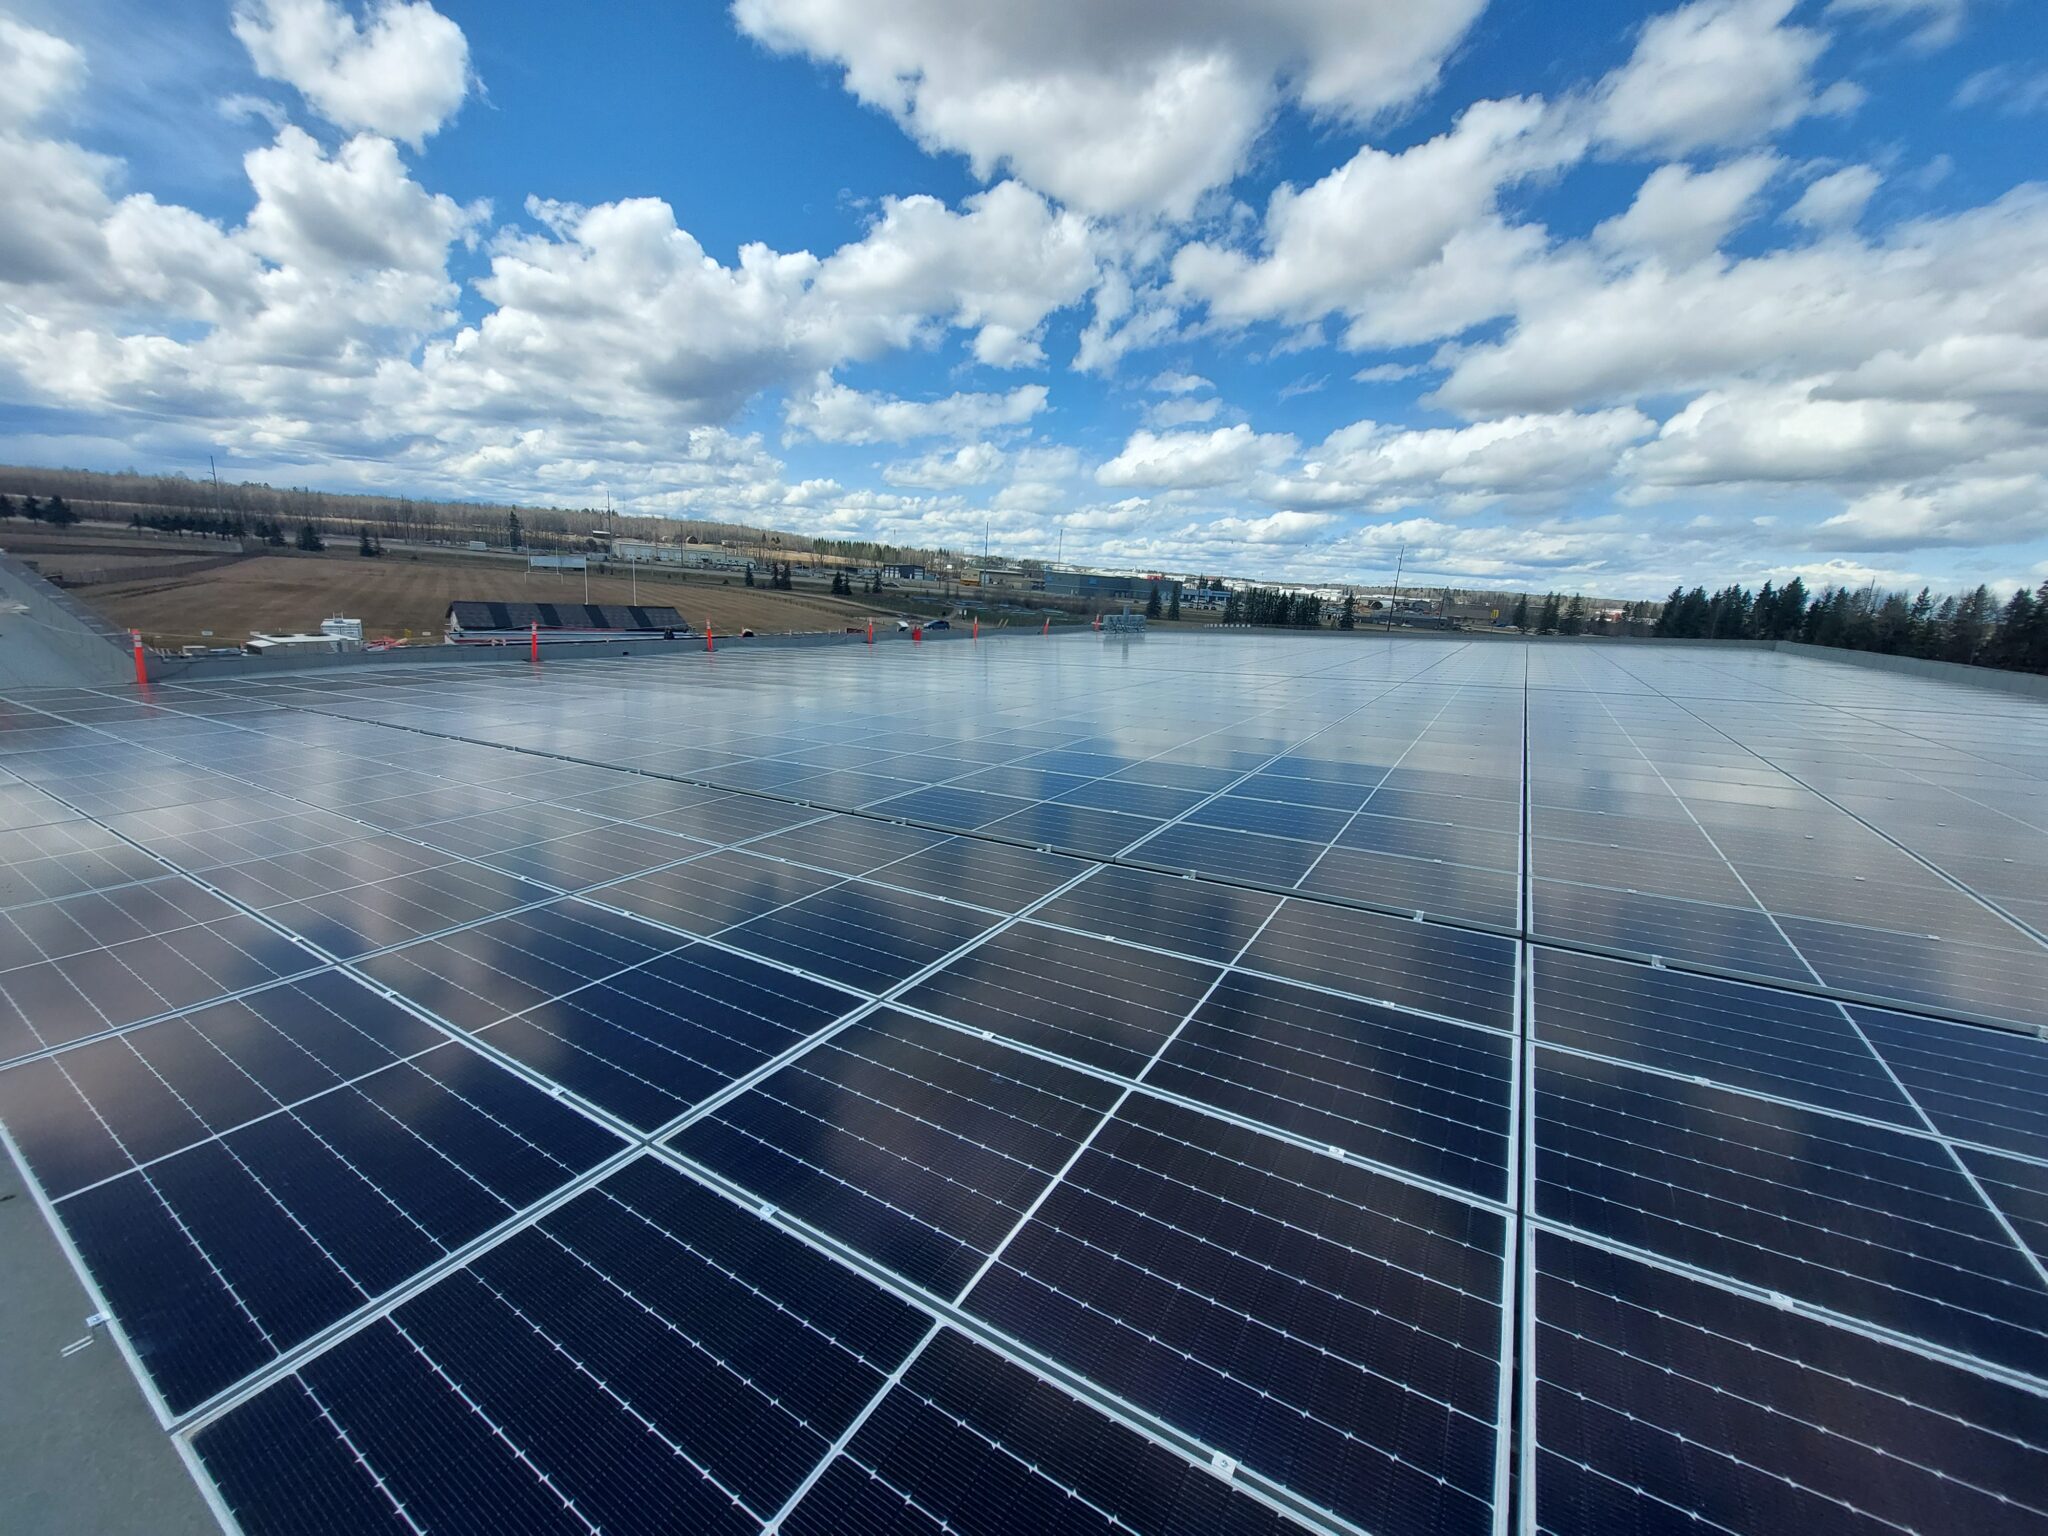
<point x="1343" y="1084"/>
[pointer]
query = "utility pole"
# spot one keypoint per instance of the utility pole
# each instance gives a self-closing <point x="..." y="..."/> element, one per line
<point x="215" y="472"/>
<point x="1400" y="555"/>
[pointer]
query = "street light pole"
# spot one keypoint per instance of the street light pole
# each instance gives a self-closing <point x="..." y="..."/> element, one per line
<point x="1400" y="555"/>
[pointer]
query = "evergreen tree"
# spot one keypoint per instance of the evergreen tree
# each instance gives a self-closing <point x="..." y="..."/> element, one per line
<point x="1574" y="620"/>
<point x="1547" y="623"/>
<point x="750" y="573"/>
<point x="1233" y="612"/>
<point x="1970" y="627"/>
<point x="31" y="509"/>
<point x="59" y="513"/>
<point x="7" y="510"/>
<point x="1347" y="616"/>
<point x="1173" y="604"/>
<point x="363" y="543"/>
<point x="310" y="540"/>
<point x="515" y="536"/>
<point x="1152" y="608"/>
<point x="1520" y="617"/>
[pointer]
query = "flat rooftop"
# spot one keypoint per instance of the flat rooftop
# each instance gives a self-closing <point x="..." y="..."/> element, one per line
<point x="1193" y="1083"/>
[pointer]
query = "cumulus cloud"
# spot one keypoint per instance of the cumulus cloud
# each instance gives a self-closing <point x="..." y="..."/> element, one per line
<point x="1115" y="108"/>
<point x="1968" y="512"/>
<point x="1195" y="460"/>
<point x="1836" y="201"/>
<point x="1782" y="434"/>
<point x="402" y="70"/>
<point x="1680" y="214"/>
<point x="37" y="69"/>
<point x="975" y="464"/>
<point x="834" y="413"/>
<point x="1716" y="73"/>
<point x="1408" y="245"/>
<point x="1588" y="336"/>
<point x="1371" y="465"/>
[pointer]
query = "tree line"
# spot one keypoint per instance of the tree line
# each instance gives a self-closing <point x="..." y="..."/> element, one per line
<point x="1971" y="627"/>
<point x="1276" y="610"/>
<point x="56" y="511"/>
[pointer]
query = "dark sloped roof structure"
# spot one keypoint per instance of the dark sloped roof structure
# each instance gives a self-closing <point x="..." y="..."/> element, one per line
<point x="475" y="618"/>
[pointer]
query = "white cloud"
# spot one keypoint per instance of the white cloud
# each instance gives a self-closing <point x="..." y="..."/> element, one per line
<point x="975" y="464"/>
<point x="834" y="413"/>
<point x="1970" y="512"/>
<point x="37" y="70"/>
<point x="401" y="71"/>
<point x="1115" y="108"/>
<point x="1171" y="383"/>
<point x="1680" y="214"/>
<point x="2012" y="90"/>
<point x="1277" y="528"/>
<point x="1714" y="73"/>
<point x="1195" y="460"/>
<point x="1386" y="373"/>
<point x="1588" y="336"/>
<point x="1783" y="434"/>
<point x="1836" y="201"/>
<point x="1406" y="245"/>
<point x="1370" y="465"/>
<point x="1939" y="20"/>
<point x="998" y="267"/>
<point x="1181" y="411"/>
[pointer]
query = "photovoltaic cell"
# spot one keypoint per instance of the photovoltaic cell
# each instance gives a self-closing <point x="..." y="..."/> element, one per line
<point x="1780" y="1043"/>
<point x="1101" y="1004"/>
<point x="1869" y="1223"/>
<point x="1414" y="1093"/>
<point x="219" y="1257"/>
<point x="95" y="1111"/>
<point x="1975" y="1084"/>
<point x="1661" y="1403"/>
<point x="1190" y="917"/>
<point x="969" y="1443"/>
<point x="648" y="1044"/>
<point x="914" y="1143"/>
<point x="1460" y="974"/>
<point x="647" y="1356"/>
<point x="1317" y="1322"/>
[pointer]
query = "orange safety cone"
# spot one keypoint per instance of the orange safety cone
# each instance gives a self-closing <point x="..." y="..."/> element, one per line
<point x="536" y="643"/>
<point x="141" y="666"/>
<point x="710" y="642"/>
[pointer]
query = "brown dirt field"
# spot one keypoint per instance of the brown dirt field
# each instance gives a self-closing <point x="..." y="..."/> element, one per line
<point x="399" y="594"/>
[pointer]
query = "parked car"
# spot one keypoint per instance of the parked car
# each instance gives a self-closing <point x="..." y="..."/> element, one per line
<point x="940" y="624"/>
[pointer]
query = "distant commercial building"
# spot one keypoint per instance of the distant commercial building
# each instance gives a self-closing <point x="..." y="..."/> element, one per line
<point x="557" y="563"/>
<point x="1114" y="588"/>
<point x="646" y="552"/>
<point x="1004" y="578"/>
<point x="472" y="623"/>
<point x="904" y="573"/>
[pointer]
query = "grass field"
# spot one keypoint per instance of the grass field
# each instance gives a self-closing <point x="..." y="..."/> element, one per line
<point x="402" y="595"/>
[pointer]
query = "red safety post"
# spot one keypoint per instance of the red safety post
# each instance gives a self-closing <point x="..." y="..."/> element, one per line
<point x="1098" y="623"/>
<point x="535" y="656"/>
<point x="141" y="666"/>
<point x="871" y="631"/>
<point x="977" y="628"/>
<point x="1048" y="625"/>
<point x="917" y="635"/>
<point x="710" y="642"/>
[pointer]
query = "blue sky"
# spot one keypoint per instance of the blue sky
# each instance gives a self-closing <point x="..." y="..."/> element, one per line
<point x="1600" y="297"/>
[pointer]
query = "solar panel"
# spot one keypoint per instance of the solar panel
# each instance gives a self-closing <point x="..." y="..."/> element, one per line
<point x="1237" y="1083"/>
